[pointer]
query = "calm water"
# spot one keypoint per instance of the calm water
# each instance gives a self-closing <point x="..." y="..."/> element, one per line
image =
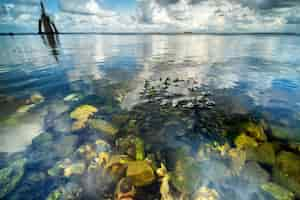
<point x="244" y="75"/>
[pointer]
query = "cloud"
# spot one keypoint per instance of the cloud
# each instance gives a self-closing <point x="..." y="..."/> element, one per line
<point x="220" y="15"/>
<point x="85" y="7"/>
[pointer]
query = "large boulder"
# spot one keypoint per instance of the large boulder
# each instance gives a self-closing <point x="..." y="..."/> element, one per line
<point x="264" y="154"/>
<point x="254" y="130"/>
<point x="140" y="172"/>
<point x="11" y="176"/>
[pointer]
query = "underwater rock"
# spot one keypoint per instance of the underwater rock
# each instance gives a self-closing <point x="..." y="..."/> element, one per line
<point x="44" y="140"/>
<point x="11" y="176"/>
<point x="125" y="190"/>
<point x="205" y="193"/>
<point x="65" y="146"/>
<point x="71" y="191"/>
<point x="132" y="146"/>
<point x="287" y="172"/>
<point x="103" y="126"/>
<point x="81" y="114"/>
<point x="36" y="98"/>
<point x="25" y="108"/>
<point x="120" y="119"/>
<point x="73" y="97"/>
<point x="264" y="154"/>
<point x="244" y="142"/>
<point x="140" y="172"/>
<point x="289" y="163"/>
<point x="74" y="169"/>
<point x="102" y="146"/>
<point x="254" y="130"/>
<point x="277" y="192"/>
<point x="116" y="165"/>
<point x="165" y="190"/>
<point x="253" y="173"/>
<point x="285" y="133"/>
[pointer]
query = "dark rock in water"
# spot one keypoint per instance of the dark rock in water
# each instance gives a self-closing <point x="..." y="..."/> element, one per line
<point x="11" y="176"/>
<point x="287" y="171"/>
<point x="264" y="154"/>
<point x="254" y="173"/>
<point x="132" y="146"/>
<point x="285" y="133"/>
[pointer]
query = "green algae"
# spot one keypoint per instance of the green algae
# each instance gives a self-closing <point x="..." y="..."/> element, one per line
<point x="278" y="192"/>
<point x="11" y="176"/>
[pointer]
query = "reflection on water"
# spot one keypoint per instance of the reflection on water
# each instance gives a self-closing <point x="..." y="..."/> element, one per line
<point x="214" y="108"/>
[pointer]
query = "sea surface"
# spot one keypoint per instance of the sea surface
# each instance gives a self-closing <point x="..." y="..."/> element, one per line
<point x="177" y="90"/>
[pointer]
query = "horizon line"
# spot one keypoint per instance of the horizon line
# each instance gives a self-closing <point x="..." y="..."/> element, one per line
<point x="155" y="33"/>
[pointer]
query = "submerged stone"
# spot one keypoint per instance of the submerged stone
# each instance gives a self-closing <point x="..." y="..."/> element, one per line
<point x="103" y="126"/>
<point x="243" y="142"/>
<point x="71" y="191"/>
<point x="36" y="98"/>
<point x="264" y="154"/>
<point x="132" y="146"/>
<point x="278" y="192"/>
<point x="125" y="190"/>
<point x="254" y="130"/>
<point x="73" y="97"/>
<point x="140" y="172"/>
<point x="11" y="176"/>
<point x="25" y="108"/>
<point x="285" y="133"/>
<point x="287" y="172"/>
<point x="81" y="115"/>
<point x="74" y="169"/>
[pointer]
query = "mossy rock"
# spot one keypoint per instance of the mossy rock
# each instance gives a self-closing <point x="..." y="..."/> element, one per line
<point x="81" y="114"/>
<point x="132" y="146"/>
<point x="277" y="192"/>
<point x="141" y="173"/>
<point x="285" y="133"/>
<point x="289" y="163"/>
<point x="287" y="172"/>
<point x="74" y="169"/>
<point x="243" y="141"/>
<point x="264" y="154"/>
<point x="103" y="126"/>
<point x="254" y="130"/>
<point x="11" y="176"/>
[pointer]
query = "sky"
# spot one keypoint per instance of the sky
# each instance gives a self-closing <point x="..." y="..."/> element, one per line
<point x="154" y="15"/>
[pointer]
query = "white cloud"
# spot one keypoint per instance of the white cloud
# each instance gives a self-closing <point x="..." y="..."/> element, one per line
<point x="85" y="7"/>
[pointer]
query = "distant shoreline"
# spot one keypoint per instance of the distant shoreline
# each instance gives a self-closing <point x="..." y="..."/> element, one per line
<point x="153" y="33"/>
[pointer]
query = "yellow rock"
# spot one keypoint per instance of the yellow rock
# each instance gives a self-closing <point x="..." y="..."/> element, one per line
<point x="243" y="142"/>
<point x="36" y="98"/>
<point x="81" y="115"/>
<point x="255" y="131"/>
<point x="140" y="172"/>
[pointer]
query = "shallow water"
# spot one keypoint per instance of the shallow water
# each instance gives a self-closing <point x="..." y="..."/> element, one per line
<point x="243" y="75"/>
